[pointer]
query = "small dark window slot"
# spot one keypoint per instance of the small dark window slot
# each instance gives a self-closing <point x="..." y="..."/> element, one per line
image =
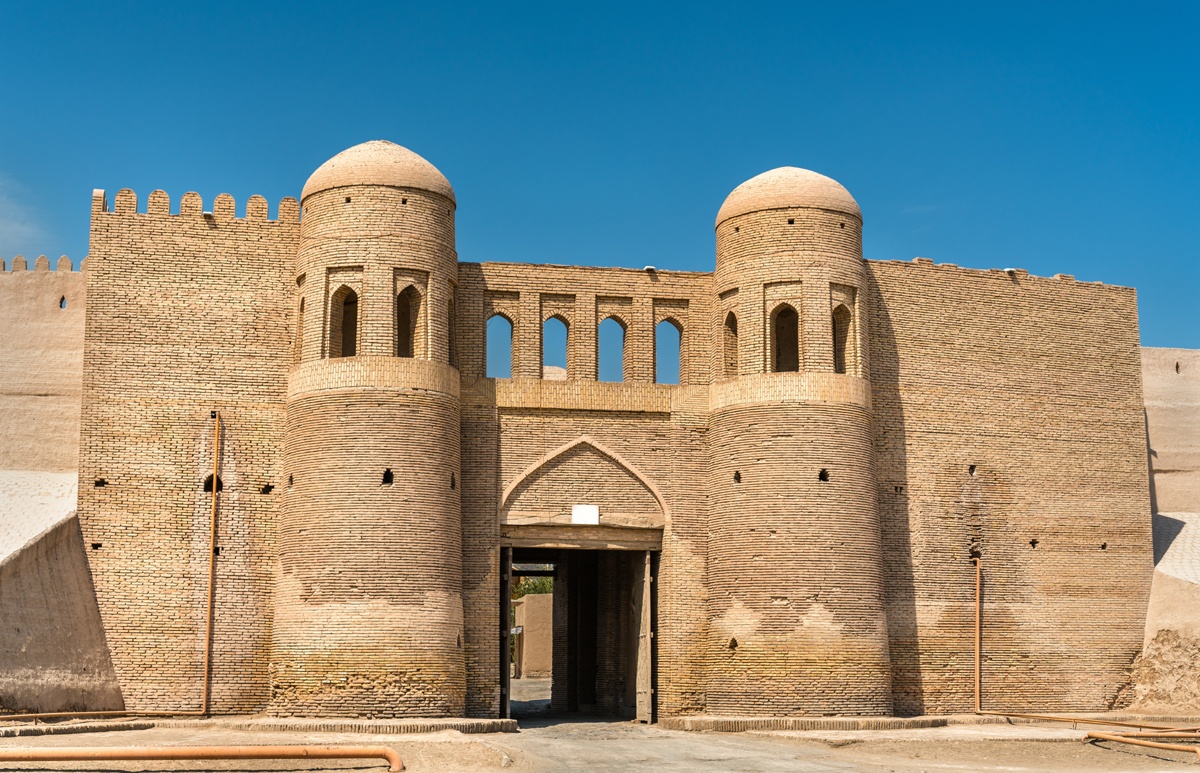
<point x="100" y="483"/>
<point x="388" y="477"/>
<point x="208" y="484"/>
<point x="216" y="551"/>
<point x="267" y="489"/>
<point x="97" y="545"/>
<point x="453" y="482"/>
<point x="823" y="476"/>
<point x="737" y="476"/>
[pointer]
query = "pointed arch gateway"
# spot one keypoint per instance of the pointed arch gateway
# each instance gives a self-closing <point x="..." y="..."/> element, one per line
<point x="583" y="472"/>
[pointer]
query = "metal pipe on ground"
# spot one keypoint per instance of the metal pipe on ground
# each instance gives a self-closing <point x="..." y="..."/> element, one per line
<point x="93" y="753"/>
<point x="1079" y="720"/>
<point x="1139" y="742"/>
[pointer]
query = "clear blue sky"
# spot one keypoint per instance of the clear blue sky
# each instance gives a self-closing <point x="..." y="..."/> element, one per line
<point x="1052" y="137"/>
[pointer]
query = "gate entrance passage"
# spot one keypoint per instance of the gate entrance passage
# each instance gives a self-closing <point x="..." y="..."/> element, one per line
<point x="601" y="634"/>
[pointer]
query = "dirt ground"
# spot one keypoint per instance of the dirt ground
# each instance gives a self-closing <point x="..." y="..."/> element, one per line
<point x="548" y="745"/>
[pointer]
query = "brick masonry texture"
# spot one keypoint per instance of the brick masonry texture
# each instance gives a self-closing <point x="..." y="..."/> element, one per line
<point x="814" y="512"/>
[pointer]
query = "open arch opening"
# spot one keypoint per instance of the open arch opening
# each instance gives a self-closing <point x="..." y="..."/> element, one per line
<point x="610" y="342"/>
<point x="408" y="313"/>
<point x="842" y="322"/>
<point x="730" y="345"/>
<point x="499" y="347"/>
<point x="554" y="349"/>
<point x="785" y="339"/>
<point x="668" y="352"/>
<point x="343" y="323"/>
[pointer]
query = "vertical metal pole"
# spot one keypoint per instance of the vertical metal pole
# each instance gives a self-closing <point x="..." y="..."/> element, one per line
<point x="978" y="632"/>
<point x="505" y="628"/>
<point x="212" y="565"/>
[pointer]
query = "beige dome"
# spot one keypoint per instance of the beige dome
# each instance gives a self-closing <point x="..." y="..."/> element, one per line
<point x="378" y="162"/>
<point x="785" y="187"/>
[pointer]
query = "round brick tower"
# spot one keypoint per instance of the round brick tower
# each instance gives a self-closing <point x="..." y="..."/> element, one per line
<point x="368" y="612"/>
<point x="795" y="566"/>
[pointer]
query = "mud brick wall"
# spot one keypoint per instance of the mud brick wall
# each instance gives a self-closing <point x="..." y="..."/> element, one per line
<point x="187" y="313"/>
<point x="1172" y="386"/>
<point x="41" y="314"/>
<point x="1008" y="417"/>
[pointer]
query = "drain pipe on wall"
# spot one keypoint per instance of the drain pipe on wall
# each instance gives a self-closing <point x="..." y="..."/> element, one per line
<point x="212" y="567"/>
<point x="205" y="698"/>
<point x="1163" y="731"/>
<point x="978" y="632"/>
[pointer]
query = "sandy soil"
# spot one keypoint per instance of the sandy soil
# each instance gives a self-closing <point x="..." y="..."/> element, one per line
<point x="548" y="745"/>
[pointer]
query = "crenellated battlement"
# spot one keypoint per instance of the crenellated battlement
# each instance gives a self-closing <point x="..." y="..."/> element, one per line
<point x="41" y="263"/>
<point x="191" y="204"/>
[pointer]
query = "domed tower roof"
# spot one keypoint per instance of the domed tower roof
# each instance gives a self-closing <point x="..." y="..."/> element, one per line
<point x="378" y="162"/>
<point x="786" y="187"/>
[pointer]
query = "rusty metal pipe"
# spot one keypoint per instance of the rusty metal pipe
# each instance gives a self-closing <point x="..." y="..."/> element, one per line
<point x="1138" y="742"/>
<point x="978" y="632"/>
<point x="1079" y="720"/>
<point x="91" y="753"/>
<point x="208" y="626"/>
<point x="212" y="567"/>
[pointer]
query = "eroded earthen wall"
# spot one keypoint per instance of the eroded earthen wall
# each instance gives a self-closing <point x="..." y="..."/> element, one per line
<point x="1166" y="677"/>
<point x="53" y="653"/>
<point x="41" y="316"/>
<point x="188" y="314"/>
<point x="1008" y="418"/>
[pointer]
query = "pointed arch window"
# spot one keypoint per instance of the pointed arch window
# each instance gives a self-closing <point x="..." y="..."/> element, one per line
<point x="668" y="352"/>
<point x="408" y="315"/>
<point x="843" y="322"/>
<point x="343" y="323"/>
<point x="730" y="344"/>
<point x="610" y="343"/>
<point x="300" y="331"/>
<point x="499" y="347"/>
<point x="785" y="339"/>
<point x="555" y="331"/>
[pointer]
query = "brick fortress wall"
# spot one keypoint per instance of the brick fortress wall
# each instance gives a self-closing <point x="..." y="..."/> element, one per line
<point x="1008" y="416"/>
<point x="187" y="313"/>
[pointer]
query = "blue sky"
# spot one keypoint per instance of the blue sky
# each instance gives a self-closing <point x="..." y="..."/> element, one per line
<point x="1052" y="137"/>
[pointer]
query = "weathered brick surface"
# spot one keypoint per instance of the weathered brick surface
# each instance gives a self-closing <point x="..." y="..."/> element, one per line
<point x="822" y="517"/>
<point x="188" y="314"/>
<point x="1008" y="409"/>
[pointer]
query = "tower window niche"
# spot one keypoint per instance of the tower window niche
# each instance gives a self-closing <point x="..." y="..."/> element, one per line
<point x="785" y="340"/>
<point x="730" y="344"/>
<point x="408" y="312"/>
<point x="841" y="337"/>
<point x="343" y="323"/>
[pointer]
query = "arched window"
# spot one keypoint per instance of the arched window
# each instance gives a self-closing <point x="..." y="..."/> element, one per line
<point x="842" y="322"/>
<point x="554" y="349"/>
<point x="408" y="315"/>
<point x="343" y="323"/>
<point x="785" y="339"/>
<point x="668" y="352"/>
<point x="730" y="348"/>
<point x="453" y="334"/>
<point x="300" y="331"/>
<point x="499" y="347"/>
<point x="610" y="343"/>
